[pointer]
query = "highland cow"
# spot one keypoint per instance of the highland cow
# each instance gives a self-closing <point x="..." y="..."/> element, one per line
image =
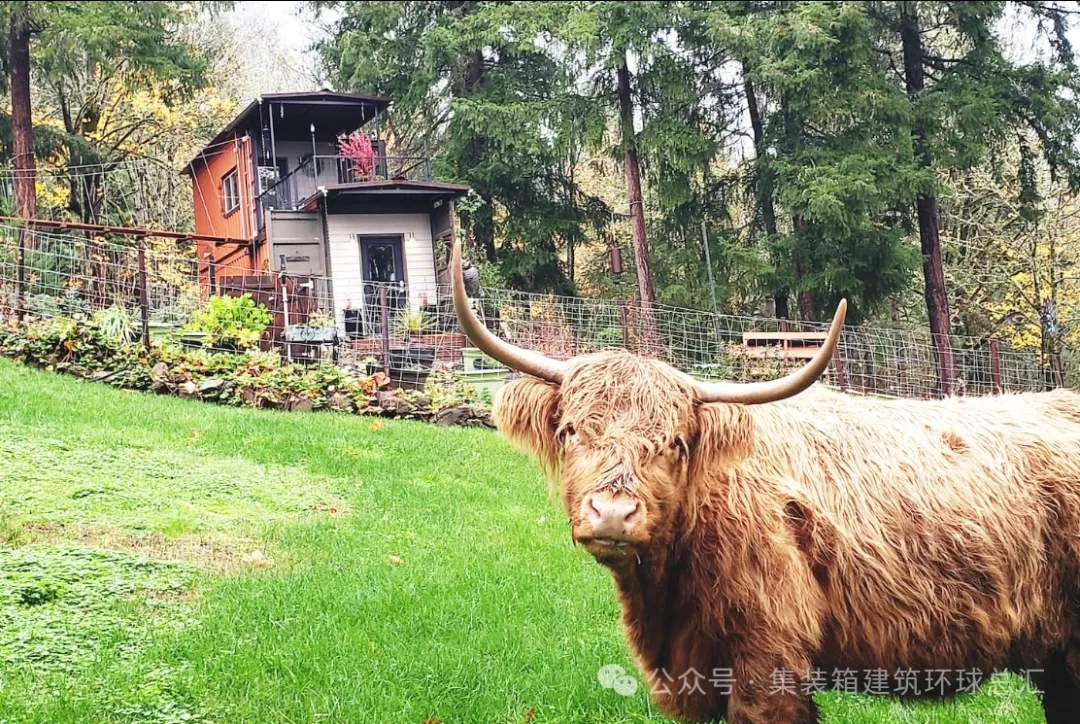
<point x="768" y="542"/>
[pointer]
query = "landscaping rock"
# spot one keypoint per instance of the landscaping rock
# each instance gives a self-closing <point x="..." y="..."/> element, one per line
<point x="392" y="404"/>
<point x="159" y="370"/>
<point x="463" y="416"/>
<point x="340" y="403"/>
<point x="300" y="404"/>
<point x="210" y="386"/>
<point x="452" y="415"/>
<point x="188" y="389"/>
<point x="456" y="415"/>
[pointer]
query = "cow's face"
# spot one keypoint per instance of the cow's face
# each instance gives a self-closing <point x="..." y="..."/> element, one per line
<point x="625" y="439"/>
<point x="628" y="436"/>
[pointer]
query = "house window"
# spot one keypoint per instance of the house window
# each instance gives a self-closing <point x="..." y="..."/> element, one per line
<point x="230" y="192"/>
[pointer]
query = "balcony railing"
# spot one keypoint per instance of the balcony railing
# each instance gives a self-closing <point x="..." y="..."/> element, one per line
<point x="303" y="181"/>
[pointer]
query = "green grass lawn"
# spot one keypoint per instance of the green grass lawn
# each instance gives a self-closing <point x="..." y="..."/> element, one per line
<point x="405" y="573"/>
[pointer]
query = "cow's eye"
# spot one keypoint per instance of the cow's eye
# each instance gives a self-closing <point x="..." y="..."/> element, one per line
<point x="566" y="433"/>
<point x="680" y="446"/>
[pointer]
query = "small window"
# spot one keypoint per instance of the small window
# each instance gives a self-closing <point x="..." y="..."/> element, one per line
<point x="230" y="192"/>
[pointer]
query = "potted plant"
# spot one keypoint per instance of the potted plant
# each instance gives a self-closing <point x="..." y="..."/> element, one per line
<point x="413" y="324"/>
<point x="411" y="363"/>
<point x="357" y="150"/>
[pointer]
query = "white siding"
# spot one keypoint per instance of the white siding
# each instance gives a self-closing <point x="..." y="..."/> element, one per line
<point x="417" y="255"/>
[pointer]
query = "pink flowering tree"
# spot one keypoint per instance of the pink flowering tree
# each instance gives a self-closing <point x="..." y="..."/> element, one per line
<point x="358" y="149"/>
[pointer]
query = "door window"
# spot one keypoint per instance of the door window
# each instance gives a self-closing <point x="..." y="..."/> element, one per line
<point x="381" y="264"/>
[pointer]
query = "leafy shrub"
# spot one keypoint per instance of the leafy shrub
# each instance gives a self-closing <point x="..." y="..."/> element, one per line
<point x="63" y="344"/>
<point x="116" y="322"/>
<point x="610" y="337"/>
<point x="231" y="323"/>
<point x="169" y="314"/>
<point x="73" y="304"/>
<point x="246" y="378"/>
<point x="445" y="388"/>
<point x="43" y="305"/>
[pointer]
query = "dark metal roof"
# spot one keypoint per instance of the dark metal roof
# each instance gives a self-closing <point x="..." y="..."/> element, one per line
<point x="427" y="189"/>
<point x="318" y="103"/>
<point x="327" y="95"/>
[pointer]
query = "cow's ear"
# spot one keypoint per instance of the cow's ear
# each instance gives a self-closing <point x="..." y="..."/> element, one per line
<point x="526" y="412"/>
<point x="725" y="435"/>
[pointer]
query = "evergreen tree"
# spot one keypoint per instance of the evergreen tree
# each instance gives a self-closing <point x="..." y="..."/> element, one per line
<point x="832" y="152"/>
<point x="641" y="65"/>
<point x="59" y="40"/>
<point x="476" y="83"/>
<point x="967" y="99"/>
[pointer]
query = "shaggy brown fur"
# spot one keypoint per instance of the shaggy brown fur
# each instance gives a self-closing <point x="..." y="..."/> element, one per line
<point x="825" y="531"/>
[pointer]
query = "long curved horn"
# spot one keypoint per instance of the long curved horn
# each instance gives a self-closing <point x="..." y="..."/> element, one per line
<point x="754" y="393"/>
<point x="523" y="360"/>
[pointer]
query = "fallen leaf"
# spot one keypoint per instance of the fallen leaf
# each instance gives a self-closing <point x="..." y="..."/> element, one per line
<point x="530" y="714"/>
<point x="194" y="434"/>
<point x="393" y="559"/>
<point x="375" y="426"/>
<point x="432" y="721"/>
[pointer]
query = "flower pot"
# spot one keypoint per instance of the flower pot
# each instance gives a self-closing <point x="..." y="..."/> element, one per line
<point x="159" y="330"/>
<point x="409" y="378"/>
<point x="192" y="338"/>
<point x="309" y="334"/>
<point x="474" y="360"/>
<point x="412" y="354"/>
<point x="353" y="324"/>
<point x="489" y="380"/>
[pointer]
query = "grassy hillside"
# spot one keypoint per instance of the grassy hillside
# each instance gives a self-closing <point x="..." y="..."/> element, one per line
<point x="170" y="561"/>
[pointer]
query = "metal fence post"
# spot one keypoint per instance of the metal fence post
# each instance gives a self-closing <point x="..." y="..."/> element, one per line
<point x="384" y="323"/>
<point x="20" y="276"/>
<point x="995" y="366"/>
<point x="901" y="368"/>
<point x="144" y="297"/>
<point x="211" y="273"/>
<point x="838" y="365"/>
<point x="624" y="322"/>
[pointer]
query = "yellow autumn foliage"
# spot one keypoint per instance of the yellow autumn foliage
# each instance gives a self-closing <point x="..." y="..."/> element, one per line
<point x="1010" y="267"/>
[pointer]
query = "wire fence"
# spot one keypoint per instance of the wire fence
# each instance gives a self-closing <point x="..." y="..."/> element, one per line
<point x="164" y="297"/>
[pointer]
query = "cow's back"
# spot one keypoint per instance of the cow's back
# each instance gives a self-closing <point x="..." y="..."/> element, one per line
<point x="942" y="530"/>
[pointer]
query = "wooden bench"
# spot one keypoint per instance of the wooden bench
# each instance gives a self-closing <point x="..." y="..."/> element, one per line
<point x="783" y="345"/>
<point x="760" y="346"/>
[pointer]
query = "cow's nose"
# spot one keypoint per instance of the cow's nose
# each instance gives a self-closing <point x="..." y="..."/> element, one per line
<point x="611" y="516"/>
